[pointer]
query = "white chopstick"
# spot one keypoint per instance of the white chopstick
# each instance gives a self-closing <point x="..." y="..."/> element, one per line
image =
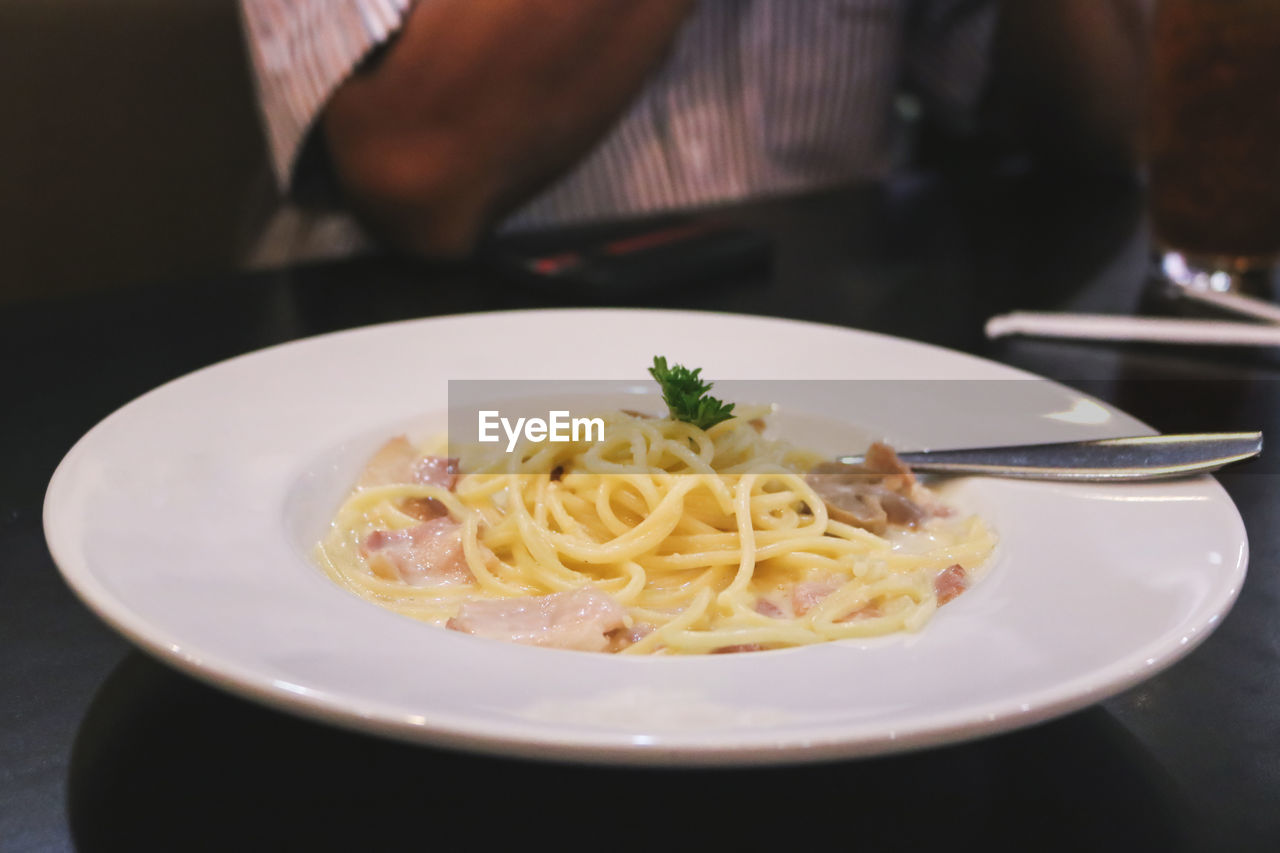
<point x="1116" y="327"/>
<point x="1238" y="303"/>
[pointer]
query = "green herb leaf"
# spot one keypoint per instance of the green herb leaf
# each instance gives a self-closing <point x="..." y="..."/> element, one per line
<point x="686" y="395"/>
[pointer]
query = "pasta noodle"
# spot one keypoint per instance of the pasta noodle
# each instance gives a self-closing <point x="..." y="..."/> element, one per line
<point x="707" y="540"/>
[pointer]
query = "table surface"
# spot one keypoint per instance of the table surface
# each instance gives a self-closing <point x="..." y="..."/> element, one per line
<point x="101" y="747"/>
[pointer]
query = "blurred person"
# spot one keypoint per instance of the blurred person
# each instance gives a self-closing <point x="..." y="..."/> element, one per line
<point x="436" y="122"/>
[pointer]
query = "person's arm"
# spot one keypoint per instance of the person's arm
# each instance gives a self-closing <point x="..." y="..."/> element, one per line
<point x="479" y="103"/>
<point x="1072" y="75"/>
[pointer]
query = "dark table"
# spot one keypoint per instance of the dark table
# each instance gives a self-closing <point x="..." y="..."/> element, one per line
<point x="102" y="747"/>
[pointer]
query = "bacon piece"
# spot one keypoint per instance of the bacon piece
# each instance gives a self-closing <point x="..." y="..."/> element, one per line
<point x="740" y="647"/>
<point x="879" y="492"/>
<point x="424" y="509"/>
<point x="393" y="463"/>
<point x="765" y="607"/>
<point x="423" y="555"/>
<point x="805" y="595"/>
<point x="582" y="619"/>
<point x="620" y="638"/>
<point x="398" y="461"/>
<point x="866" y="611"/>
<point x="949" y="583"/>
<point x="881" y="459"/>
<point x="436" y="471"/>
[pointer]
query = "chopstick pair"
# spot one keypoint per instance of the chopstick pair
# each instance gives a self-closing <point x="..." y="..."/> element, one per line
<point x="1117" y="327"/>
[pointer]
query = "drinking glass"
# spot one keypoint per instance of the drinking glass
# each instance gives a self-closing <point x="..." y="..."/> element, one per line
<point x="1213" y="136"/>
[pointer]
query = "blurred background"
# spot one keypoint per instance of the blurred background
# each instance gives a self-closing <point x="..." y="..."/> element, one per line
<point x="130" y="134"/>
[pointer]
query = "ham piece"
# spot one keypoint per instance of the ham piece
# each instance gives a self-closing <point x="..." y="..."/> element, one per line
<point x="581" y="619"/>
<point x="398" y="461"/>
<point x="949" y="583"/>
<point x="426" y="554"/>
<point x="806" y="595"/>
<point x="879" y="492"/>
<point x="738" y="649"/>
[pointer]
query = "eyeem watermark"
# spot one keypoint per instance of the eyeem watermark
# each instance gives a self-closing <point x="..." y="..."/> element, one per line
<point x="557" y="427"/>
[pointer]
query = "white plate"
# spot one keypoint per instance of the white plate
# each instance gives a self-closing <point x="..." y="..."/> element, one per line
<point x="184" y="520"/>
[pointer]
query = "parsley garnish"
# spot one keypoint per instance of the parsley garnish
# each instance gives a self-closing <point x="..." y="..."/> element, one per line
<point x="686" y="395"/>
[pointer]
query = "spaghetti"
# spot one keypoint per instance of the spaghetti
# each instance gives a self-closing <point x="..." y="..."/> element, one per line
<point x="663" y="538"/>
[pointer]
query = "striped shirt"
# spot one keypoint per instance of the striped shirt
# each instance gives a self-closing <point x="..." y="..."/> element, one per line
<point x="756" y="97"/>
